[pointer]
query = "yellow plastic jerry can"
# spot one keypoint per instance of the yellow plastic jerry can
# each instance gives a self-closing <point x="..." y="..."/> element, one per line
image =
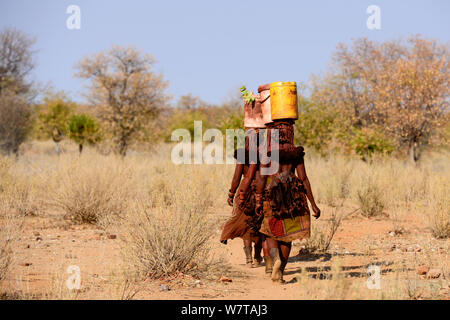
<point x="283" y="100"/>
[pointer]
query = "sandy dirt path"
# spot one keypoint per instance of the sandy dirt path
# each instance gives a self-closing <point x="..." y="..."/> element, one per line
<point x="47" y="246"/>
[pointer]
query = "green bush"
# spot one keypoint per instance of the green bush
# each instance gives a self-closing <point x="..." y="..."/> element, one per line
<point x="367" y="142"/>
<point x="83" y="129"/>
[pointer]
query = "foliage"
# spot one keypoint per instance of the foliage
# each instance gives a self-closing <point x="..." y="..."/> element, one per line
<point x="318" y="126"/>
<point x="16" y="90"/>
<point x="396" y="87"/>
<point x="126" y="91"/>
<point x="15" y="121"/>
<point x="53" y="115"/>
<point x="16" y="62"/>
<point x="366" y="142"/>
<point x="83" y="129"/>
<point x="247" y="96"/>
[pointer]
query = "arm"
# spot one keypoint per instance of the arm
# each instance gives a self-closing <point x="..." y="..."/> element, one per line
<point x="247" y="181"/>
<point x="301" y="172"/>
<point x="235" y="182"/>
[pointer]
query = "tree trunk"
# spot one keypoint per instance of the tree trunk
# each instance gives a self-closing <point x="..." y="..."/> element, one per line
<point x="414" y="152"/>
<point x="123" y="146"/>
<point x="80" y="148"/>
<point x="57" y="148"/>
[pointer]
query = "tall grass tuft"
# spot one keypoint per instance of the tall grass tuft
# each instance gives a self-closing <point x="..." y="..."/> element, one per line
<point x="438" y="208"/>
<point x="165" y="241"/>
<point x="370" y="199"/>
<point x="97" y="193"/>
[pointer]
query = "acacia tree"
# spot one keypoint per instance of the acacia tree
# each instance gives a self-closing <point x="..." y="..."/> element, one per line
<point x="400" y="88"/>
<point x="83" y="129"/>
<point x="15" y="121"/>
<point x="16" y="61"/>
<point x="126" y="91"/>
<point x="15" y="88"/>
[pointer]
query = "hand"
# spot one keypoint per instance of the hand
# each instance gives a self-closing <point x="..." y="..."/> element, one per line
<point x="316" y="211"/>
<point x="259" y="208"/>
<point x="230" y="198"/>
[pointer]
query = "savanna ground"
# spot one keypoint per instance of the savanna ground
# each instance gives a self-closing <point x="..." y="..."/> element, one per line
<point x="143" y="228"/>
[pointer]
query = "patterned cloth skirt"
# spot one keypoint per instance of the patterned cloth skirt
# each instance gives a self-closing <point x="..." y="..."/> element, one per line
<point x="286" y="213"/>
<point x="237" y="226"/>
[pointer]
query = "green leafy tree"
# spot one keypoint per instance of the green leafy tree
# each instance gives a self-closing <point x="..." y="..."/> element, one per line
<point x="319" y="126"/>
<point x="53" y="115"/>
<point x="367" y="142"/>
<point x="83" y="129"/>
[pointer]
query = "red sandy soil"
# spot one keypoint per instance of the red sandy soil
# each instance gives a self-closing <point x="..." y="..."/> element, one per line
<point x="48" y="245"/>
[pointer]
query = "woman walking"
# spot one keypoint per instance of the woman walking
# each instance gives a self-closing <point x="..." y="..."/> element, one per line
<point x="285" y="192"/>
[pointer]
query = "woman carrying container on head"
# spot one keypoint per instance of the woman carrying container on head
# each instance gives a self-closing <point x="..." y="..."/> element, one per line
<point x="284" y="207"/>
<point x="241" y="195"/>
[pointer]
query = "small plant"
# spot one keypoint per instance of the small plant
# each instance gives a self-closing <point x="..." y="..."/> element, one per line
<point x="321" y="237"/>
<point x="371" y="200"/>
<point x="247" y="96"/>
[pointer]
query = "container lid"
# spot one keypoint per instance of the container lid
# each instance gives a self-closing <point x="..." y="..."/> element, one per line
<point x="283" y="83"/>
<point x="264" y="87"/>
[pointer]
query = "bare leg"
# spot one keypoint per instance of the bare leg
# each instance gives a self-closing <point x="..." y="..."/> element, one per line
<point x="248" y="253"/>
<point x="265" y="246"/>
<point x="285" y="250"/>
<point x="258" y="248"/>
<point x="267" y="257"/>
<point x="274" y="250"/>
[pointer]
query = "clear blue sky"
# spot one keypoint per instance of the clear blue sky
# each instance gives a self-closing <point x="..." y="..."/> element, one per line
<point x="209" y="48"/>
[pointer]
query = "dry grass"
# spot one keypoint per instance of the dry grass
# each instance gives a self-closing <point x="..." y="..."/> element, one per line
<point x="165" y="241"/>
<point x="370" y="200"/>
<point x="322" y="234"/>
<point x="439" y="207"/>
<point x="170" y="227"/>
<point x="165" y="211"/>
<point x="5" y="252"/>
<point x="97" y="192"/>
<point x="9" y="233"/>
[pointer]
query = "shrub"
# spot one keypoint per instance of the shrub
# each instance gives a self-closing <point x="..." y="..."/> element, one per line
<point x="439" y="209"/>
<point x="370" y="199"/>
<point x="94" y="193"/>
<point x="322" y="236"/>
<point x="367" y="142"/>
<point x="15" y="121"/>
<point x="16" y="192"/>
<point x="83" y="129"/>
<point x="166" y="241"/>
